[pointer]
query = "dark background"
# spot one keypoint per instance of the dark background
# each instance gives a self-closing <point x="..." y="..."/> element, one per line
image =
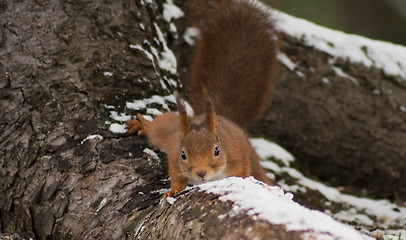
<point x="377" y="19"/>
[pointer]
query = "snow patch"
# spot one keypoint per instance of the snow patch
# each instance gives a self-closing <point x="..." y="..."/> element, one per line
<point x="285" y="60"/>
<point x="266" y="149"/>
<point x="143" y="104"/>
<point x="153" y="111"/>
<point x="389" y="57"/>
<point x="160" y="100"/>
<point x="103" y="203"/>
<point x="151" y="153"/>
<point x="254" y="197"/>
<point x="119" y="117"/>
<point x="386" y="212"/>
<point x="339" y="72"/>
<point x="108" y="74"/>
<point x="108" y="106"/>
<point x="171" y="11"/>
<point x="167" y="60"/>
<point x="172" y="28"/>
<point x="190" y="34"/>
<point x="117" y="128"/>
<point x="170" y="200"/>
<point x="351" y="215"/>
<point x="148" y="54"/>
<point x="367" y="211"/>
<point x="142" y="27"/>
<point x="326" y="81"/>
<point x="92" y="137"/>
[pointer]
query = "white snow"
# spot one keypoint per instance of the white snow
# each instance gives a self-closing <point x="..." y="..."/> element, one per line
<point x="172" y="82"/>
<point x="389" y="57"/>
<point x="267" y="149"/>
<point x="151" y="153"/>
<point x="325" y="80"/>
<point x="119" y="117"/>
<point x="117" y="128"/>
<point x="143" y="104"/>
<point x="148" y="54"/>
<point x="136" y="104"/>
<point x="385" y="212"/>
<point x="170" y="200"/>
<point x="171" y="11"/>
<point x="108" y="74"/>
<point x="92" y="137"/>
<point x="351" y="215"/>
<point x="161" y="100"/>
<point x="101" y="205"/>
<point x="190" y="34"/>
<point x="274" y="205"/>
<point x="339" y="72"/>
<point x="284" y="59"/>
<point x="167" y="59"/>
<point x="172" y="28"/>
<point x="153" y="111"/>
<point x="108" y="106"/>
<point x="148" y="118"/>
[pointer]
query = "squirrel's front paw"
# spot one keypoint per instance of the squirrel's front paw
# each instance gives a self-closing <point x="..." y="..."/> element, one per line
<point x="139" y="124"/>
<point x="169" y="193"/>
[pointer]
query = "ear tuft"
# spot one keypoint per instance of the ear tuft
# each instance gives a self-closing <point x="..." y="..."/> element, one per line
<point x="211" y="118"/>
<point x="184" y="121"/>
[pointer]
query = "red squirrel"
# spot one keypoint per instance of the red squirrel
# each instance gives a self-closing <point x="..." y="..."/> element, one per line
<point x="230" y="83"/>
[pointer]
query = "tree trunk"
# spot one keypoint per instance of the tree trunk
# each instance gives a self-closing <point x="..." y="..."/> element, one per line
<point x="206" y="218"/>
<point x="345" y="133"/>
<point x="65" y="66"/>
<point x="61" y="63"/>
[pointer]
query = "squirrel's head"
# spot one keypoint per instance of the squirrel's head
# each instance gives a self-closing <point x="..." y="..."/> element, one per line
<point x="201" y="157"/>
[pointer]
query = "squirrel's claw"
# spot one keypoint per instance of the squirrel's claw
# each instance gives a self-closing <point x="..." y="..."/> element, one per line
<point x="142" y="119"/>
<point x="133" y="125"/>
<point x="169" y="193"/>
<point x="137" y="125"/>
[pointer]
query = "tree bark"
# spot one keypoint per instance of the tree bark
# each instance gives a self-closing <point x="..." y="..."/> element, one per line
<point x="64" y="65"/>
<point x="349" y="135"/>
<point x="54" y="91"/>
<point x="206" y="218"/>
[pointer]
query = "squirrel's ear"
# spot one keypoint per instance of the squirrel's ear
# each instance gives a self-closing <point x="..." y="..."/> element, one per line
<point x="210" y="119"/>
<point x="184" y="121"/>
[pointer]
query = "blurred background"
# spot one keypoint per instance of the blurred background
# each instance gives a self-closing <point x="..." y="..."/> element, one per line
<point x="377" y="19"/>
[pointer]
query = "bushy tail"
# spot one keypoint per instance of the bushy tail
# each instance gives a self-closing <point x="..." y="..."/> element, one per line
<point x="197" y="10"/>
<point x="234" y="61"/>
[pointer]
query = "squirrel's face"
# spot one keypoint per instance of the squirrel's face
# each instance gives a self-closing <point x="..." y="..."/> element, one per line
<point x="202" y="158"/>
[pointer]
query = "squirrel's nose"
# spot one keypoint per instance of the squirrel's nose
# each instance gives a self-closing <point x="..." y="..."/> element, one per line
<point x="201" y="173"/>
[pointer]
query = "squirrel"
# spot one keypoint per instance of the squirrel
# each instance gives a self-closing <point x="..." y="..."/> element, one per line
<point x="230" y="83"/>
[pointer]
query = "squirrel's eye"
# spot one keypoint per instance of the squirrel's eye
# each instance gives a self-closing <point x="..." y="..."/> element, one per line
<point x="216" y="151"/>
<point x="183" y="155"/>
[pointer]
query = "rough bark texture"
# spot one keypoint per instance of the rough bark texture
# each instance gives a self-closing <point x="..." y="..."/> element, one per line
<point x="54" y="92"/>
<point x="206" y="218"/>
<point x="347" y="134"/>
<point x="53" y="95"/>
